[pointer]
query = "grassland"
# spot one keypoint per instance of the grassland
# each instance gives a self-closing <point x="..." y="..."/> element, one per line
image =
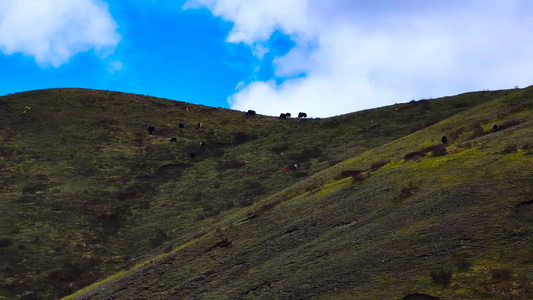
<point x="86" y="193"/>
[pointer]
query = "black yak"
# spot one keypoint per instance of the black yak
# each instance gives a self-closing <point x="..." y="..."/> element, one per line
<point x="250" y="112"/>
<point x="151" y="130"/>
<point x="283" y="116"/>
<point x="181" y="125"/>
<point x="173" y="139"/>
<point x="288" y="115"/>
<point x="444" y="140"/>
<point x="302" y="115"/>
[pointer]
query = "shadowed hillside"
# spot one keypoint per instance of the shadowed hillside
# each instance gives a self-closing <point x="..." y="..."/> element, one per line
<point x="87" y="192"/>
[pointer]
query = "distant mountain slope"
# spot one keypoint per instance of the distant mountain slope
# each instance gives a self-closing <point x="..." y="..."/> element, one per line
<point x="453" y="222"/>
<point x="85" y="191"/>
<point x="464" y="210"/>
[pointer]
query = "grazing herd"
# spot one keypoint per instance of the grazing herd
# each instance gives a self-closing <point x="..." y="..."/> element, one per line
<point x="151" y="129"/>
<point x="301" y="115"/>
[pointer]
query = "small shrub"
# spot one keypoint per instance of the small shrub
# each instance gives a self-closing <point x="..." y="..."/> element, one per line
<point x="479" y="123"/>
<point x="139" y="166"/>
<point x="313" y="186"/>
<point x="455" y="133"/>
<point x="527" y="257"/>
<point x="143" y="187"/>
<point x="463" y="264"/>
<point x="29" y="296"/>
<point x="165" y="131"/>
<point x="264" y="208"/>
<point x="478" y="132"/>
<point x="125" y="195"/>
<point x="521" y="108"/>
<point x="34" y="188"/>
<point x="280" y="148"/>
<point x="464" y="146"/>
<point x="436" y="150"/>
<point x="501" y="274"/>
<point x="231" y="164"/>
<point x="331" y="123"/>
<point x="510" y="124"/>
<point x="300" y="174"/>
<point x="145" y="204"/>
<point x="208" y="207"/>
<point x="159" y="239"/>
<point x="43" y="177"/>
<point x="254" y="190"/>
<point x="441" y="276"/>
<point x="414" y="154"/>
<point x="196" y="149"/>
<point x="378" y="165"/>
<point x="245" y="202"/>
<point x="434" y="119"/>
<point x="510" y="149"/>
<point x="7" y="152"/>
<point x="243" y="137"/>
<point x="229" y="205"/>
<point x="355" y="174"/>
<point x="115" y="218"/>
<point x="308" y="153"/>
<point x="219" y="152"/>
<point x="139" y="139"/>
<point x="171" y="171"/>
<point x="6" y="242"/>
<point x="30" y="198"/>
<point x="460" y="105"/>
<point x="88" y="171"/>
<point x="408" y="191"/>
<point x="528" y="148"/>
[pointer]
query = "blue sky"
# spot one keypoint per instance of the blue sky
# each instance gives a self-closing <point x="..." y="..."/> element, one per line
<point x="163" y="51"/>
<point x="323" y="57"/>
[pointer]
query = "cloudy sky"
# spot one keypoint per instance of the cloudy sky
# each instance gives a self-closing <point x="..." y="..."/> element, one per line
<point x="324" y="57"/>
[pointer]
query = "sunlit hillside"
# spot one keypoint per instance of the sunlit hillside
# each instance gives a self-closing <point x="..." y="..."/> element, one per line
<point x="367" y="205"/>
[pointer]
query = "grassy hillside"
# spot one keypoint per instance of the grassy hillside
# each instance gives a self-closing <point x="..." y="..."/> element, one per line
<point x="87" y="192"/>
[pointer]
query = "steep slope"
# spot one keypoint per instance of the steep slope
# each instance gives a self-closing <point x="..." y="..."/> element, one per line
<point x="85" y="191"/>
<point x="453" y="222"/>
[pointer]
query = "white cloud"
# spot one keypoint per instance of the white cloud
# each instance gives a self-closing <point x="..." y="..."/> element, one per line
<point x="363" y="54"/>
<point x="52" y="31"/>
<point x="114" y="66"/>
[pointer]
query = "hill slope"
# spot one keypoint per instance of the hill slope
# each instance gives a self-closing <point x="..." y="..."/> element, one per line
<point x="87" y="191"/>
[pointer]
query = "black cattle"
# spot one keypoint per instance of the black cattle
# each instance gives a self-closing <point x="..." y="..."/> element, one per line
<point x="283" y="116"/>
<point x="495" y="128"/>
<point x="202" y="143"/>
<point x="302" y="115"/>
<point x="199" y="125"/>
<point x="151" y="130"/>
<point x="192" y="155"/>
<point x="173" y="139"/>
<point x="288" y="115"/>
<point x="181" y="125"/>
<point x="444" y="140"/>
<point x="250" y="112"/>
